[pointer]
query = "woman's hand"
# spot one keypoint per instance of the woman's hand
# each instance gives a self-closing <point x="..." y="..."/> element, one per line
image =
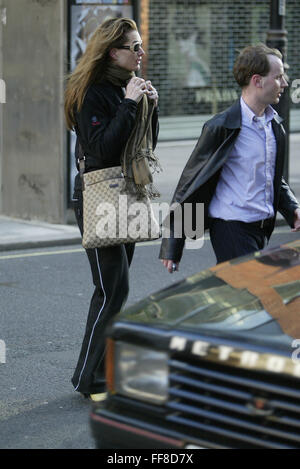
<point x="135" y="89"/>
<point x="151" y="92"/>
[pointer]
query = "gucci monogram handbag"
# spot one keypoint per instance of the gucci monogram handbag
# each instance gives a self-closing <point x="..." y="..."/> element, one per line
<point x="111" y="215"/>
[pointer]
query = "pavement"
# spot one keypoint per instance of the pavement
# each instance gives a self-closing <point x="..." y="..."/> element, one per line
<point x="20" y="234"/>
<point x="23" y="234"/>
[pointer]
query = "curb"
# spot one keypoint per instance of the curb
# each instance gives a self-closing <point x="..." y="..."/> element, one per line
<point x="22" y="245"/>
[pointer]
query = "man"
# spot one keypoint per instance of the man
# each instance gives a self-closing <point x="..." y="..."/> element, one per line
<point x="236" y="167"/>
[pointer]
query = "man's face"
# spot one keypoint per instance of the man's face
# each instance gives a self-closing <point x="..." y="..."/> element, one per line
<point x="273" y="84"/>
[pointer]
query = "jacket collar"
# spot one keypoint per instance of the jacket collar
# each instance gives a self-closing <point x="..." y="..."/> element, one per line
<point x="233" y="116"/>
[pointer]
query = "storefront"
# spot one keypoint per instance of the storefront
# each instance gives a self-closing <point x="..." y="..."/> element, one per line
<point x="190" y="49"/>
<point x="193" y="45"/>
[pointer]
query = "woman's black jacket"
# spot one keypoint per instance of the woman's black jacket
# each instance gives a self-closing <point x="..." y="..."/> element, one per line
<point x="104" y="125"/>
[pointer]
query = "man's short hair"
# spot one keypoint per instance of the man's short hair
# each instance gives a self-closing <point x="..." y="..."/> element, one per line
<point x="253" y="60"/>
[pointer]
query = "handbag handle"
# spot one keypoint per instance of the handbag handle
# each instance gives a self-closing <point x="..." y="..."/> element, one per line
<point x="81" y="161"/>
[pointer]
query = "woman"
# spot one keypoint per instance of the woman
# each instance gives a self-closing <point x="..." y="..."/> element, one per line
<point x="102" y="103"/>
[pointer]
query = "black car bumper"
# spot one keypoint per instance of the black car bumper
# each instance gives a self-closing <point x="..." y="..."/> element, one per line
<point x="113" y="426"/>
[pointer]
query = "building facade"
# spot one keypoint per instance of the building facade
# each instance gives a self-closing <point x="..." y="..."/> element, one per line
<point x="191" y="46"/>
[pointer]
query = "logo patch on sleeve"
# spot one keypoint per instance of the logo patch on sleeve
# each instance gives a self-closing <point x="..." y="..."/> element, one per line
<point x="95" y="121"/>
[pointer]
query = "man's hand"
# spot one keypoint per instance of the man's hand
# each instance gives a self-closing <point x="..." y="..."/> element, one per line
<point x="169" y="265"/>
<point x="297" y="220"/>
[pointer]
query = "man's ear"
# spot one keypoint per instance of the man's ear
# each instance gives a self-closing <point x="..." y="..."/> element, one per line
<point x="257" y="80"/>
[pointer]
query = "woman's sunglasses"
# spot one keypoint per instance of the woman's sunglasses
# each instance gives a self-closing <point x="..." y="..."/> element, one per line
<point x="133" y="48"/>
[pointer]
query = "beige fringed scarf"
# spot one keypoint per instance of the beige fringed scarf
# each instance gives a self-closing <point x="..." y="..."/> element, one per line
<point x="139" y="143"/>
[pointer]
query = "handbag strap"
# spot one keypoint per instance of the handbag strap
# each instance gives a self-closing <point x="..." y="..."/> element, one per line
<point x="81" y="159"/>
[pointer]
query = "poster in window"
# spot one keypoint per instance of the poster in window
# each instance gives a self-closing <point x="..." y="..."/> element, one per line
<point x="189" y="47"/>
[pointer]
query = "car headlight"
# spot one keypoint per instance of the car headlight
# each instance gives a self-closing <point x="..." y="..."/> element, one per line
<point x="141" y="373"/>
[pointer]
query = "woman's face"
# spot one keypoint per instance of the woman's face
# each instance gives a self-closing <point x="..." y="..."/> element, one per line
<point x="127" y="58"/>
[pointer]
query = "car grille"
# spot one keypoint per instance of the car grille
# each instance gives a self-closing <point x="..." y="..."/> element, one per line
<point x="234" y="407"/>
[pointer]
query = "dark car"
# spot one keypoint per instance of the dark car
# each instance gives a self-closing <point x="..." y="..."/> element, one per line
<point x="210" y="362"/>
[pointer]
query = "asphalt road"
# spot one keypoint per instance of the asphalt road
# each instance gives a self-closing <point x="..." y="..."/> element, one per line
<point x="44" y="297"/>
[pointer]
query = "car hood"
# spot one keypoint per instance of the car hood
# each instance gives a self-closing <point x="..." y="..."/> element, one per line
<point x="256" y="298"/>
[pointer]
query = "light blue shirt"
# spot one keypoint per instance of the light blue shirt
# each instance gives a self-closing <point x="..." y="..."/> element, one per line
<point x="245" y="188"/>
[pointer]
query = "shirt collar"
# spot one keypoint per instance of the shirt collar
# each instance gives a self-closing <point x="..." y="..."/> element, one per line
<point x="248" y="115"/>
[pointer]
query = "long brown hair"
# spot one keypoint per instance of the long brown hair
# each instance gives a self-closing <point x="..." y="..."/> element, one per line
<point x="111" y="33"/>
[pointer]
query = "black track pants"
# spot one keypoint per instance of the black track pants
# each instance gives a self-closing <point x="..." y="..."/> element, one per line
<point x="110" y="271"/>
